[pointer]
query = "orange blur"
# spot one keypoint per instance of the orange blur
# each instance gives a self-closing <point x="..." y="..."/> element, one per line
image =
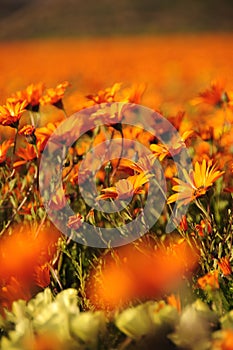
<point x="139" y="272"/>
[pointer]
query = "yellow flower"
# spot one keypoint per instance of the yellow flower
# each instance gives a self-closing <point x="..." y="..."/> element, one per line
<point x="161" y="151"/>
<point x="11" y="113"/>
<point x="198" y="182"/>
<point x="126" y="188"/>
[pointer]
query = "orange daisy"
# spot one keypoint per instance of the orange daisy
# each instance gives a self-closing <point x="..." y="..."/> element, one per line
<point x="162" y="151"/>
<point x="198" y="182"/>
<point x="126" y="188"/>
<point x="31" y="94"/>
<point x="54" y="96"/>
<point x="28" y="153"/>
<point x="215" y="96"/>
<point x="107" y="95"/>
<point x="10" y="113"/>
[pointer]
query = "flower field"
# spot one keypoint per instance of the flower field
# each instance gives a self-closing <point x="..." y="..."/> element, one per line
<point x="116" y="166"/>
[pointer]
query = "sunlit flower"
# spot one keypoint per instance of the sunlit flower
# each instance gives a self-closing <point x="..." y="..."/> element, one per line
<point x="126" y="188"/>
<point x="198" y="182"/>
<point x="162" y="151"/>
<point x="225" y="266"/>
<point x="10" y="113"/>
<point x="3" y="150"/>
<point x="55" y="96"/>
<point x="45" y="132"/>
<point x="31" y="94"/>
<point x="143" y="164"/>
<point x="215" y="96"/>
<point x="107" y="95"/>
<point x="209" y="281"/>
<point x="75" y="221"/>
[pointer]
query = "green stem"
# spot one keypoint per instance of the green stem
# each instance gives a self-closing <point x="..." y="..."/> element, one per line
<point x="200" y="206"/>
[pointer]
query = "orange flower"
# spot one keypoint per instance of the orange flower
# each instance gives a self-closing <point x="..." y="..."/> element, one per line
<point x="215" y="96"/>
<point x="27" y="154"/>
<point x="198" y="182"/>
<point x="184" y="223"/>
<point x="161" y="151"/>
<point x="209" y="281"/>
<point x="47" y="131"/>
<point x="3" y="150"/>
<point x="107" y="95"/>
<point x="203" y="228"/>
<point x="31" y="94"/>
<point x="11" y="113"/>
<point x="55" y="96"/>
<point x="126" y="188"/>
<point x="29" y="132"/>
<point x="143" y="164"/>
<point x="225" y="266"/>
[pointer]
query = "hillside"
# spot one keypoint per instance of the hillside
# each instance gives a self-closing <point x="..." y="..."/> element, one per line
<point x="20" y="19"/>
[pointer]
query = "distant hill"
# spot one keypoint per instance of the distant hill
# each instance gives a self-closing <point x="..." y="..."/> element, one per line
<point x="22" y="19"/>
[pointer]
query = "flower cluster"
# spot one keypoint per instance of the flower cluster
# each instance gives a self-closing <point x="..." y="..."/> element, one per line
<point x="194" y="262"/>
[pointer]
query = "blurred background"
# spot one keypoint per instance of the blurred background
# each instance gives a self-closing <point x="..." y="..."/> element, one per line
<point x="25" y="19"/>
